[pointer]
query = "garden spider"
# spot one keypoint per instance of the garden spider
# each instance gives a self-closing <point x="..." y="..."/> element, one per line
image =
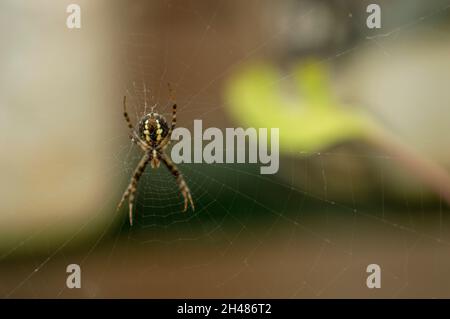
<point x="153" y="136"/>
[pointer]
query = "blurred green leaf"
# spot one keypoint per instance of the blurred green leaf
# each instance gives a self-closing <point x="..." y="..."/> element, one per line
<point x="308" y="115"/>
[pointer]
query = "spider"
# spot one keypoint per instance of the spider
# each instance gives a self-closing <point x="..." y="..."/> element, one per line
<point x="153" y="136"/>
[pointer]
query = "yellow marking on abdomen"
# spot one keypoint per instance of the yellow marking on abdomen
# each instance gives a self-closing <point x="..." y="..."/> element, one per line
<point x="158" y="131"/>
<point x="146" y="131"/>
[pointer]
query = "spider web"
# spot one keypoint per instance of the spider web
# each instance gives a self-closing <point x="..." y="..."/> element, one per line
<point x="240" y="214"/>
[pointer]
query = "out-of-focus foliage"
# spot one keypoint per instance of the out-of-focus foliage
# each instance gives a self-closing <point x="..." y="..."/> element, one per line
<point x="309" y="117"/>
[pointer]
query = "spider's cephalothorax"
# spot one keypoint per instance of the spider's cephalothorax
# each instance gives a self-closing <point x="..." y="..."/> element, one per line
<point x="153" y="136"/>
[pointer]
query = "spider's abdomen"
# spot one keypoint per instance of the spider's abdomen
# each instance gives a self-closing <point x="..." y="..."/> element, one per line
<point x="153" y="128"/>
